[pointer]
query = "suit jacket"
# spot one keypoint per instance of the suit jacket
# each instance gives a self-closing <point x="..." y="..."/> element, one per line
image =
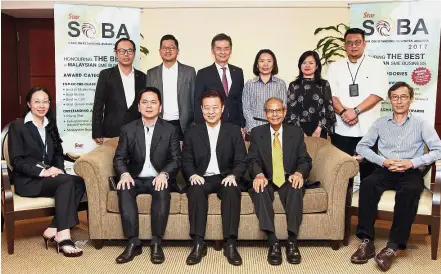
<point x="230" y="151"/>
<point x="110" y="110"/>
<point x="26" y="149"/>
<point x="165" y="151"/>
<point x="186" y="85"/>
<point x="295" y="156"/>
<point x="208" y="79"/>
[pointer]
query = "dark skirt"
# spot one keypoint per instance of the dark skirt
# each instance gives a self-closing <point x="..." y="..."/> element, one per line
<point x="309" y="128"/>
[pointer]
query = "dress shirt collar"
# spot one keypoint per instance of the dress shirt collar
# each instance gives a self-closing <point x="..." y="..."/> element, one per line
<point x="150" y="127"/>
<point x="390" y="117"/>
<point x="358" y="60"/>
<point x="280" y="131"/>
<point x="122" y="74"/>
<point x="215" y="128"/>
<point x="30" y="118"/>
<point x="173" y="68"/>
<point x="219" y="67"/>
<point x="272" y="79"/>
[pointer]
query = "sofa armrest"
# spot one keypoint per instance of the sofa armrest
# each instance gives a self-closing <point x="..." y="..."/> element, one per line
<point x="333" y="168"/>
<point x="95" y="168"/>
<point x="436" y="197"/>
<point x="7" y="194"/>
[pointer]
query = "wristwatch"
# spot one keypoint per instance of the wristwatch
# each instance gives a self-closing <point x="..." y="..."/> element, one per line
<point x="356" y="110"/>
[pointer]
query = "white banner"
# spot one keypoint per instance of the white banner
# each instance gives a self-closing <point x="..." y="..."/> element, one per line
<point x="406" y="36"/>
<point x="84" y="45"/>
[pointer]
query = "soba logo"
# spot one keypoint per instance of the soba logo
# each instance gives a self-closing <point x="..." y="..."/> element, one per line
<point x="89" y="30"/>
<point x="384" y="27"/>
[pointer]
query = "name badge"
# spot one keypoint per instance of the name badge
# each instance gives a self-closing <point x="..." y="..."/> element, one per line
<point x="353" y="90"/>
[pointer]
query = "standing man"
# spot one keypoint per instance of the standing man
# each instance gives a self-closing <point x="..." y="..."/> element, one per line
<point x="278" y="161"/>
<point x="147" y="159"/>
<point x="358" y="84"/>
<point x="176" y="82"/>
<point x="214" y="161"/>
<point x="114" y="104"/>
<point x="401" y="139"/>
<point x="222" y="77"/>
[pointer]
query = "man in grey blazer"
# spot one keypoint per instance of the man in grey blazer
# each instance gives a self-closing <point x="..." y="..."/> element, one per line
<point x="176" y="82"/>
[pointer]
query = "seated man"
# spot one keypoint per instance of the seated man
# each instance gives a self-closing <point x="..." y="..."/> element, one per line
<point x="147" y="158"/>
<point x="401" y="137"/>
<point x="214" y="161"/>
<point x="278" y="161"/>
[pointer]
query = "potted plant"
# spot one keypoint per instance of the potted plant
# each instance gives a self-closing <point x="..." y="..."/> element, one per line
<point x="331" y="45"/>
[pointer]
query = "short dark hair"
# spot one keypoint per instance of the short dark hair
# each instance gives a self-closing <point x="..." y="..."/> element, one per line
<point x="213" y="94"/>
<point x="275" y="69"/>
<point x="221" y="37"/>
<point x="124" y="39"/>
<point x="318" y="71"/>
<point x="169" y="37"/>
<point x="150" y="89"/>
<point x="398" y="85"/>
<point x="355" y="31"/>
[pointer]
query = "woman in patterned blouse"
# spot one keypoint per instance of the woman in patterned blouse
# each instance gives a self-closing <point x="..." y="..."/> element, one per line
<point x="310" y="99"/>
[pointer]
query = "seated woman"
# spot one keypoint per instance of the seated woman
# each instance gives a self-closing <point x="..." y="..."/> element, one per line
<point x="37" y="159"/>
<point x="310" y="99"/>
<point x="259" y="89"/>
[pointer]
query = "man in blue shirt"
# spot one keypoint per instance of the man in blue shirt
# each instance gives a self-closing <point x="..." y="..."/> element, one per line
<point x="401" y="139"/>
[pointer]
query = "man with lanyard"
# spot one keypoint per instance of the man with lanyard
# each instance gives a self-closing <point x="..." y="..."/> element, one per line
<point x="358" y="84"/>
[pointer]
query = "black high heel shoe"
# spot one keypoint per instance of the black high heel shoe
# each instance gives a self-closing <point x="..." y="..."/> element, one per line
<point x="47" y="241"/>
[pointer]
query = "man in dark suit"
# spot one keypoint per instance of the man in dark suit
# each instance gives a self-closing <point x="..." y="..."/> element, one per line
<point x="278" y="161"/>
<point x="114" y="104"/>
<point x="223" y="77"/>
<point x="214" y="161"/>
<point x="176" y="82"/>
<point x="147" y="159"/>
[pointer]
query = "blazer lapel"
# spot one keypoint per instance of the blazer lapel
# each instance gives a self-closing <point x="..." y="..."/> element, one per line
<point x="180" y="79"/>
<point x="34" y="132"/>
<point x="216" y="76"/>
<point x="266" y="147"/>
<point x="49" y="147"/>
<point x="157" y="133"/>
<point x="222" y="134"/>
<point x="158" y="77"/>
<point x="287" y="139"/>
<point x="233" y="74"/>
<point x="117" y="80"/>
<point x="140" y="138"/>
<point x="139" y="83"/>
<point x="203" y="133"/>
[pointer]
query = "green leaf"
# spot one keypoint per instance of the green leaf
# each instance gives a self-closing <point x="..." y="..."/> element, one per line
<point x="144" y="50"/>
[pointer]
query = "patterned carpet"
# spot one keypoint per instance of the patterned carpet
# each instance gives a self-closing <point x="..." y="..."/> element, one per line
<point x="31" y="257"/>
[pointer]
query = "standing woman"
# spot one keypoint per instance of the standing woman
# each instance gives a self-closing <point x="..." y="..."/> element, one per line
<point x="310" y="99"/>
<point x="262" y="87"/>
<point x="37" y="160"/>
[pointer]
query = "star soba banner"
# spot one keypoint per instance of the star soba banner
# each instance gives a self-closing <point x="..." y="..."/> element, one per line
<point x="84" y="45"/>
<point x="406" y="37"/>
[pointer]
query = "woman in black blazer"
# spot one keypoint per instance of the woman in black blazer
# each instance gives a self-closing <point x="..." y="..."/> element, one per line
<point x="37" y="159"/>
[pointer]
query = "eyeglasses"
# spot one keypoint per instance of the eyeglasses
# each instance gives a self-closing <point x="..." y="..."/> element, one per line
<point x="395" y="98"/>
<point x="44" y="103"/>
<point x="124" y="51"/>
<point x="274" y="111"/>
<point x="168" y="49"/>
<point x="352" y="43"/>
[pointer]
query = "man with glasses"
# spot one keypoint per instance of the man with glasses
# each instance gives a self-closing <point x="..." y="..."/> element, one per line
<point x="115" y="93"/>
<point x="224" y="77"/>
<point x="401" y="139"/>
<point x="358" y="84"/>
<point x="278" y="161"/>
<point x="176" y="82"/>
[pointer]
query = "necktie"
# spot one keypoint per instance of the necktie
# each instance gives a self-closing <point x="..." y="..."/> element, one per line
<point x="224" y="80"/>
<point x="278" y="170"/>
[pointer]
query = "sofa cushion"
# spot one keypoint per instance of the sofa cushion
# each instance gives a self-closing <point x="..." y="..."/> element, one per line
<point x="214" y="203"/>
<point x="144" y="201"/>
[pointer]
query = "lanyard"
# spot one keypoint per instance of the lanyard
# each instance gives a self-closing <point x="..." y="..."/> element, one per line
<point x="354" y="78"/>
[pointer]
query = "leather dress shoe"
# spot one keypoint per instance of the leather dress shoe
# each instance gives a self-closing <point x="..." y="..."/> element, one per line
<point x="233" y="256"/>
<point x="197" y="252"/>
<point x="293" y="253"/>
<point x="384" y="258"/>
<point x="275" y="254"/>
<point x="156" y="254"/>
<point x="365" y="251"/>
<point x="129" y="253"/>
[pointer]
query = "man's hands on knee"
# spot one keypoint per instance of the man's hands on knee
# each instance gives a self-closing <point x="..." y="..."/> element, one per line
<point x="230" y="180"/>
<point x="160" y="182"/>
<point x="196" y="180"/>
<point x="296" y="180"/>
<point x="259" y="183"/>
<point x="397" y="165"/>
<point x="125" y="181"/>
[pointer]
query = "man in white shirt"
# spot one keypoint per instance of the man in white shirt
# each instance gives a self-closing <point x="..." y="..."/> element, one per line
<point x="176" y="82"/>
<point x="358" y="83"/>
<point x="214" y="161"/>
<point x="114" y="104"/>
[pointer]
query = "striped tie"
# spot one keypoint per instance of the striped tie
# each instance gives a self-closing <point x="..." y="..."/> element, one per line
<point x="278" y="170"/>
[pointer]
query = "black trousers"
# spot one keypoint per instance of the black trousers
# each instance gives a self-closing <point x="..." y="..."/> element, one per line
<point x="292" y="201"/>
<point x="198" y="206"/>
<point x="348" y="144"/>
<point x="408" y="187"/>
<point x="128" y="208"/>
<point x="68" y="190"/>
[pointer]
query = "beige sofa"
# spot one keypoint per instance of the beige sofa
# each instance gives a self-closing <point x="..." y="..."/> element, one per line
<point x="324" y="207"/>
